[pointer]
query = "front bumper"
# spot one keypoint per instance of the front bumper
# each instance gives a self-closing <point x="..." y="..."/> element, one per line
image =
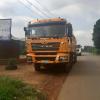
<point x="48" y="59"/>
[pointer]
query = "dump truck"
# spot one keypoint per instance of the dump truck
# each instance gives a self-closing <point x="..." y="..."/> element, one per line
<point x="50" y="42"/>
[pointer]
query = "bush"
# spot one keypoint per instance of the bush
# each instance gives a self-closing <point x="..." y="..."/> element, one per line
<point x="11" y="89"/>
<point x="98" y="51"/>
<point x="12" y="64"/>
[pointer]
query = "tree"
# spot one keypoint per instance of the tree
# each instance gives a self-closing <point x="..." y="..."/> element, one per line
<point x="96" y="35"/>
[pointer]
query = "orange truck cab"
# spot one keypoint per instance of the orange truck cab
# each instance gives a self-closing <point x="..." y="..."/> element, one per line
<point x="50" y="41"/>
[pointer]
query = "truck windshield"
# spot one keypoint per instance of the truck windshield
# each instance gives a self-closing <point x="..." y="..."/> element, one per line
<point x="48" y="30"/>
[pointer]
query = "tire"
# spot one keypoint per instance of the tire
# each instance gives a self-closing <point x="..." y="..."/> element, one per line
<point x="37" y="67"/>
<point x="75" y="58"/>
<point x="68" y="65"/>
<point x="80" y="54"/>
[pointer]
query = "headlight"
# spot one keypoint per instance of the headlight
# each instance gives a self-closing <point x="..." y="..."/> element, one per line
<point x="63" y="58"/>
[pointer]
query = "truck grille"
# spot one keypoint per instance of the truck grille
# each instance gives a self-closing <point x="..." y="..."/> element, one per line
<point x="45" y="58"/>
<point x="45" y="53"/>
<point x="53" y="46"/>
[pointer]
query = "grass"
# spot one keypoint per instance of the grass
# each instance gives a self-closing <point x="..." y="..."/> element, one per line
<point x="11" y="89"/>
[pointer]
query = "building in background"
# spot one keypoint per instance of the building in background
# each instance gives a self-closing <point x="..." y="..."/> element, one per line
<point x="9" y="48"/>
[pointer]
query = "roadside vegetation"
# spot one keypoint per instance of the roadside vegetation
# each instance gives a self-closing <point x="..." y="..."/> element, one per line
<point x="96" y="36"/>
<point x="91" y="49"/>
<point x="12" y="89"/>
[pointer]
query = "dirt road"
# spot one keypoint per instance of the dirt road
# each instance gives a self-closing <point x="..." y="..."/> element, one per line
<point x="49" y="81"/>
<point x="83" y="82"/>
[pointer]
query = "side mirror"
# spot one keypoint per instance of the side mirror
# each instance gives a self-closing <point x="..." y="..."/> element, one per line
<point x="27" y="31"/>
<point x="70" y="30"/>
<point x="25" y="28"/>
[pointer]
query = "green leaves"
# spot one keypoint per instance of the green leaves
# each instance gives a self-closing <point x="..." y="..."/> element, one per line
<point x="96" y="34"/>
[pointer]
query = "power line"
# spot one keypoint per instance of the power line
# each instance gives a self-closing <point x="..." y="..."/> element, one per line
<point x="47" y="10"/>
<point x="37" y="8"/>
<point x="31" y="10"/>
<point x="26" y="6"/>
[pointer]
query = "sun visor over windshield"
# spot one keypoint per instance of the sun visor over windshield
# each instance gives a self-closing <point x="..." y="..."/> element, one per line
<point x="47" y="24"/>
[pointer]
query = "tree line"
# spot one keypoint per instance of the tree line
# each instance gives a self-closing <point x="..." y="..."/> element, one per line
<point x="96" y="36"/>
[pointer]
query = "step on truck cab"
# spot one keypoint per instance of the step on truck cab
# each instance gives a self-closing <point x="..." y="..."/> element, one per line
<point x="50" y="41"/>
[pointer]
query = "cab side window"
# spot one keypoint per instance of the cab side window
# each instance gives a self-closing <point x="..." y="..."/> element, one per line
<point x="69" y="30"/>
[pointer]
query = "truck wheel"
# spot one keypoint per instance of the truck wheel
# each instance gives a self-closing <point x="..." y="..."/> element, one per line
<point x="75" y="58"/>
<point x="68" y="67"/>
<point x="80" y="54"/>
<point x="37" y="67"/>
<point x="69" y="64"/>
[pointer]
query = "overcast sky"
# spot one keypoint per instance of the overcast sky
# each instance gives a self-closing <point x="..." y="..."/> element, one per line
<point x="81" y="13"/>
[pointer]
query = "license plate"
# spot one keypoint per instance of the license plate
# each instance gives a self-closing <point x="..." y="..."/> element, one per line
<point x="46" y="61"/>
